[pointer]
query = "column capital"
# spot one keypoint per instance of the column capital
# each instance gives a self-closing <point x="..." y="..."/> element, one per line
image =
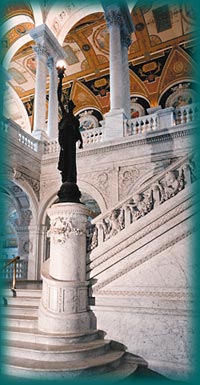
<point x="45" y="39"/>
<point x="113" y="16"/>
<point x="40" y="50"/>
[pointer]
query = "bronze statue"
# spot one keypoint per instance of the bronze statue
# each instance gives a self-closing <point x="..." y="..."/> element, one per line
<point x="68" y="135"/>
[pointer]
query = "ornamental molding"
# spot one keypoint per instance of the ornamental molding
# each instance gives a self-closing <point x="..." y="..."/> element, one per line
<point x="124" y="144"/>
<point x="33" y="183"/>
<point x="180" y="295"/>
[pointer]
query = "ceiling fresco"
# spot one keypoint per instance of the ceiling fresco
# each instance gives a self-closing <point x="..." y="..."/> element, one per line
<point x="160" y="55"/>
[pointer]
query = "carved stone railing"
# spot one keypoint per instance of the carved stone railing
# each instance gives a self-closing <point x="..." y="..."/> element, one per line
<point x="141" y="124"/>
<point x="92" y="136"/>
<point x="14" y="131"/>
<point x="51" y="146"/>
<point x="186" y="114"/>
<point x="163" y="118"/>
<point x="89" y="137"/>
<point x="161" y="188"/>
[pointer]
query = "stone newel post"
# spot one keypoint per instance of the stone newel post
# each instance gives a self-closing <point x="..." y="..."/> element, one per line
<point x="63" y="307"/>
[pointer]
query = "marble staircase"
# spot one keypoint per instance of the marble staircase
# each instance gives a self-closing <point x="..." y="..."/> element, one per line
<point x="30" y="353"/>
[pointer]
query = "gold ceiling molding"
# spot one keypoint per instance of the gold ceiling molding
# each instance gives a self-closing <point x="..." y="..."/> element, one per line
<point x="18" y="31"/>
<point x="83" y="97"/>
<point x="137" y="86"/>
<point x="178" y="66"/>
<point x="18" y="9"/>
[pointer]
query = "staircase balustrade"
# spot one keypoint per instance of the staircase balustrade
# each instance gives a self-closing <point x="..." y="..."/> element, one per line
<point x="152" y="122"/>
<point x="186" y="114"/>
<point x="161" y="188"/>
<point x="140" y="125"/>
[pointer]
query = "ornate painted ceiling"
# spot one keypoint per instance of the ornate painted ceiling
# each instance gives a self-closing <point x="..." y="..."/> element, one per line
<point x="160" y="55"/>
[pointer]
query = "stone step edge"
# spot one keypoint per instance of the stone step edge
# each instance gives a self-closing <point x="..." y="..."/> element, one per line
<point x="37" y="332"/>
<point x="52" y="349"/>
<point x="43" y="366"/>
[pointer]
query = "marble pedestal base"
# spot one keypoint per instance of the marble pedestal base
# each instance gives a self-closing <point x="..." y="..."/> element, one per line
<point x="114" y="124"/>
<point x="63" y="306"/>
<point x="64" y="302"/>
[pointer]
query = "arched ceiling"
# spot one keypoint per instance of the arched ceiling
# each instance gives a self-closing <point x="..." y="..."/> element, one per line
<point x="162" y="30"/>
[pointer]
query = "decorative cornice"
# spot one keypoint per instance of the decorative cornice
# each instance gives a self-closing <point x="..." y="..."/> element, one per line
<point x="132" y="142"/>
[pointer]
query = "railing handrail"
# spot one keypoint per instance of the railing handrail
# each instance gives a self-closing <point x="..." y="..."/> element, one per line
<point x="14" y="261"/>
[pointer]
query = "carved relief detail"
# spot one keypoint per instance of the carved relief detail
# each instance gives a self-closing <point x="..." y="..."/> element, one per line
<point x="127" y="178"/>
<point x="62" y="228"/>
<point x="143" y="202"/>
<point x="34" y="183"/>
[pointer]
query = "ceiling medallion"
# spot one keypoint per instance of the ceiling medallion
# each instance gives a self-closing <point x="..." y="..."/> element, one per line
<point x="139" y="27"/>
<point x="86" y="47"/>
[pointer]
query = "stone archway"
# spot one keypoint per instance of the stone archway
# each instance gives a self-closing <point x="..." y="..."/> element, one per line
<point x="15" y="239"/>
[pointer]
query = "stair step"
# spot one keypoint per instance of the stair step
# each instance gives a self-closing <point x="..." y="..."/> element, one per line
<point x="48" y="352"/>
<point x="22" y="301"/>
<point x="19" y="310"/>
<point x="36" y="293"/>
<point x="36" y="336"/>
<point x="37" y="369"/>
<point x="125" y="369"/>
<point x="20" y="321"/>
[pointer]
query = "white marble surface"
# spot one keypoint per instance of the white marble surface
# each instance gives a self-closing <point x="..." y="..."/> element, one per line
<point x="64" y="303"/>
<point x="68" y="241"/>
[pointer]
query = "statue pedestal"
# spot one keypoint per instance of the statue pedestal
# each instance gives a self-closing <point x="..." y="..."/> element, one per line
<point x="64" y="305"/>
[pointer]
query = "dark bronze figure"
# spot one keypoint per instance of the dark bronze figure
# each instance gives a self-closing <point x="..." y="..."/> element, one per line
<point x="68" y="135"/>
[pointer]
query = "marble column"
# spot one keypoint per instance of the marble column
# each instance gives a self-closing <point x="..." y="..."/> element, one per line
<point x="126" y="41"/>
<point x="64" y="305"/>
<point x="120" y="25"/>
<point x="46" y="47"/>
<point x="52" y="129"/>
<point x="114" y="21"/>
<point x="40" y="91"/>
